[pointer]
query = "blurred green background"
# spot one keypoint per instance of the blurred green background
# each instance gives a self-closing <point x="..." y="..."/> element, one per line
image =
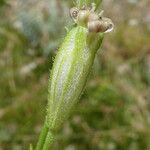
<point x="114" y="111"/>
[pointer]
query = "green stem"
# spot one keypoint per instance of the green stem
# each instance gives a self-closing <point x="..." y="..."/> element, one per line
<point x="49" y="141"/>
<point x="42" y="137"/>
<point x="46" y="138"/>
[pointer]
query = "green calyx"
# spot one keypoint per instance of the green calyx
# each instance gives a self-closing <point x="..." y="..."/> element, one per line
<point x="69" y="74"/>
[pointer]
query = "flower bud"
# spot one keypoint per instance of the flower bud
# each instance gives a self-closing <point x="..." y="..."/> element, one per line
<point x="71" y="68"/>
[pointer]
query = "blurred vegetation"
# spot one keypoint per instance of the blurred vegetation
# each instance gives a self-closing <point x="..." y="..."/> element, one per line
<point x="114" y="111"/>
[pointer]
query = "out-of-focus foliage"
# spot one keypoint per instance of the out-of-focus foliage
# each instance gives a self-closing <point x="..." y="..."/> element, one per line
<point x="81" y="3"/>
<point x="113" y="113"/>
